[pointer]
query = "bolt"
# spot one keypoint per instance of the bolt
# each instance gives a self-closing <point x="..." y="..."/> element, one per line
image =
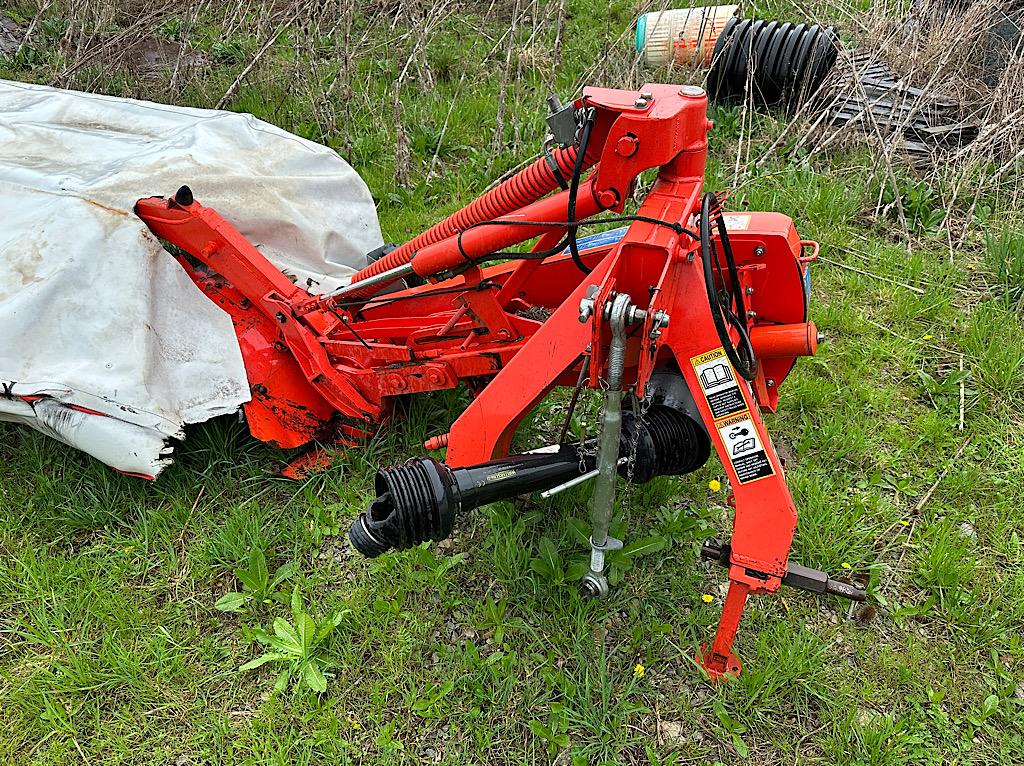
<point x="503" y="334"/>
<point x="770" y="383"/>
<point x="594" y="585"/>
<point x="691" y="91"/>
<point x="260" y="389"/>
<point x="748" y="290"/>
<point x="752" y="314"/>
<point x="607" y="198"/>
<point x="280" y="317"/>
<point x="627" y="145"/>
<point x="640" y="103"/>
<point x="659" y="323"/>
<point x="435" y="377"/>
<point x="647" y="95"/>
<point x="759" y="251"/>
<point x="586" y="310"/>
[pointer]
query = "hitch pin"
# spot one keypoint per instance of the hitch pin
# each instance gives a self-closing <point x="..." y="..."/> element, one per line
<point x="577" y="481"/>
<point x="797" y="576"/>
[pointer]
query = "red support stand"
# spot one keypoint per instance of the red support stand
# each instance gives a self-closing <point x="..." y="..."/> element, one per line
<point x="721" y="661"/>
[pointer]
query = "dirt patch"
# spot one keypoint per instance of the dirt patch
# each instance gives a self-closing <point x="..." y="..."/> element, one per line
<point x="151" y="56"/>
<point x="11" y="35"/>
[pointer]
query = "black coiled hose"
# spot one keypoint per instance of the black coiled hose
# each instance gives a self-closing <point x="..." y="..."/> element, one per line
<point x="741" y="356"/>
<point x="770" y="61"/>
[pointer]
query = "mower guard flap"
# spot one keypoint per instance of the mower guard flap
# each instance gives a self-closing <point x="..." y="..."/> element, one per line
<point x="106" y="343"/>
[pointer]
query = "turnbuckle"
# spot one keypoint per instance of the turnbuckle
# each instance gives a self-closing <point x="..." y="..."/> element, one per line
<point x="619" y="312"/>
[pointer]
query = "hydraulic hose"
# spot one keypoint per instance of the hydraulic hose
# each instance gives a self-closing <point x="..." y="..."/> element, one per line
<point x="742" y="356"/>
<point x="528" y="185"/>
<point x="574" y="188"/>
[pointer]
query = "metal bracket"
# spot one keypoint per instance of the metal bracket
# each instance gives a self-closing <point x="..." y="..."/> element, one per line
<point x="561" y="122"/>
<point x="797" y="576"/>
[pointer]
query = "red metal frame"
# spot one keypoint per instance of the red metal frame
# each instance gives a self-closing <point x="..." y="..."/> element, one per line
<point x="322" y="367"/>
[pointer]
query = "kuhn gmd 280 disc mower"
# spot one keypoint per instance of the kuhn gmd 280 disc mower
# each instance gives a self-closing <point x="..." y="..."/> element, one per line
<point x="687" y="320"/>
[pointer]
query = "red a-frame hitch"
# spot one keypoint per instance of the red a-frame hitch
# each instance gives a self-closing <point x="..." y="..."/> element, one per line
<point x="694" y="315"/>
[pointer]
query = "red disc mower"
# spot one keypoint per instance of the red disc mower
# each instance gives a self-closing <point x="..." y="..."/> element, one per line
<point x="686" y="319"/>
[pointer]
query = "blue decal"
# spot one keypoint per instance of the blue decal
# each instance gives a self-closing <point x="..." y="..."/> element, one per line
<point x="601" y="239"/>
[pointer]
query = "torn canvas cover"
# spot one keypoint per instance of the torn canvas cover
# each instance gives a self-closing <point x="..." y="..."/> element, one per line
<point x="105" y="343"/>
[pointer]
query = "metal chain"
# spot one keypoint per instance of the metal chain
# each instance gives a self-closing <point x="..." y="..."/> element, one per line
<point x="638" y="423"/>
<point x="639" y="418"/>
<point x="583" y="452"/>
<point x="602" y="385"/>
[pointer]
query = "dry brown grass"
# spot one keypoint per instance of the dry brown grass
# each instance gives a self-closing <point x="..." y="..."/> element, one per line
<point x="949" y="57"/>
<point x="125" y="41"/>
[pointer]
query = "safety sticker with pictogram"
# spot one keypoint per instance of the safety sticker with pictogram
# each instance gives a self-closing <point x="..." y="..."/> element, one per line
<point x="743" y="445"/>
<point x="718" y="381"/>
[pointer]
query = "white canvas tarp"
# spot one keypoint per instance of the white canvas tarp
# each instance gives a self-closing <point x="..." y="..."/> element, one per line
<point x="95" y="317"/>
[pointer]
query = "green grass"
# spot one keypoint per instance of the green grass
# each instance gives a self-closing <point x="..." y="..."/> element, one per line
<point x="111" y="650"/>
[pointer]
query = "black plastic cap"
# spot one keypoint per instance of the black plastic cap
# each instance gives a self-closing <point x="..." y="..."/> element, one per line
<point x="184" y="196"/>
<point x="363" y="541"/>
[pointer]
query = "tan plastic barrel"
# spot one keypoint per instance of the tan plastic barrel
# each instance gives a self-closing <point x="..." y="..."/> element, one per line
<point x="682" y="35"/>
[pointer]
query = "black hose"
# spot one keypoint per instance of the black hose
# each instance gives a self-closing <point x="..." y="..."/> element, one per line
<point x="721" y="315"/>
<point x="770" y="62"/>
<point x="533" y="255"/>
<point x="574" y="187"/>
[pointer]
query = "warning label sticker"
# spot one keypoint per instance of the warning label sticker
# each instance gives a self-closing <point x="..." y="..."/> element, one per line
<point x="746" y="453"/>
<point x="718" y="380"/>
<point x="737" y="222"/>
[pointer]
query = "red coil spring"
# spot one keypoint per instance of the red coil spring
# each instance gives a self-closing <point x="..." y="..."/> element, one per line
<point x="528" y="185"/>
